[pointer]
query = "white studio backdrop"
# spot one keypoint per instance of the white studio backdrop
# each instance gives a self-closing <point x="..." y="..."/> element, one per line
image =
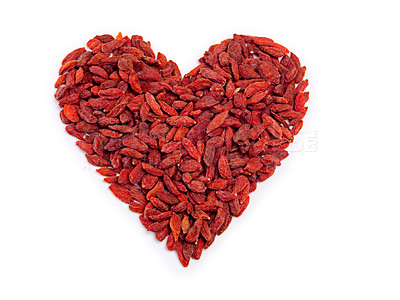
<point x="324" y="226"/>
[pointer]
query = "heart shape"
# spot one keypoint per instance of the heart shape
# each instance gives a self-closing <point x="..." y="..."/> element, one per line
<point x="184" y="153"/>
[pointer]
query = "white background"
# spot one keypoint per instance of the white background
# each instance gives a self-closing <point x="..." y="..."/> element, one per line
<point x="325" y="226"/>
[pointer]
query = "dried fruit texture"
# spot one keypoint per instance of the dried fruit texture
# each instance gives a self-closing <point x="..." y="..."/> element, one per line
<point x="183" y="152"/>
